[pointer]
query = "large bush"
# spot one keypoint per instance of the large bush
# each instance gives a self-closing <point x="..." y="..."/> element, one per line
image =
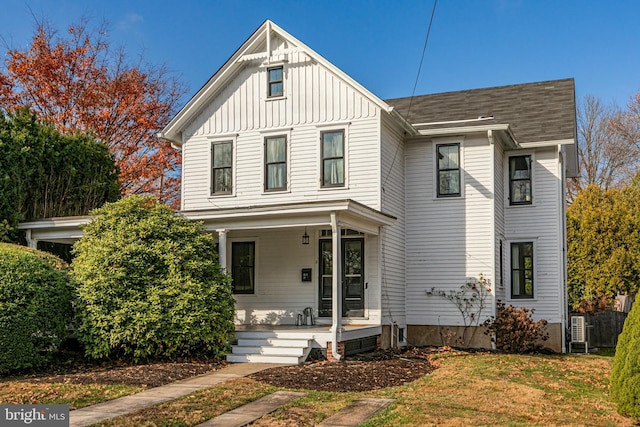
<point x="625" y="375"/>
<point x="44" y="173"/>
<point x="35" y="306"/>
<point x="513" y="329"/>
<point x="149" y="285"/>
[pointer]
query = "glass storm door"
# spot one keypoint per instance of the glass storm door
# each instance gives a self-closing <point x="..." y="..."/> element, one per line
<point x="352" y="277"/>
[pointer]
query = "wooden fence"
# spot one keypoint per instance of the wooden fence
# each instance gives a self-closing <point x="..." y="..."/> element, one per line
<point x="603" y="328"/>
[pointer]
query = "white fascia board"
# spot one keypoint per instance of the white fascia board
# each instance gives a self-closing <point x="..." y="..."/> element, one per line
<point x="293" y="215"/>
<point x="56" y="222"/>
<point x="547" y="143"/>
<point x="174" y="128"/>
<point x="463" y="130"/>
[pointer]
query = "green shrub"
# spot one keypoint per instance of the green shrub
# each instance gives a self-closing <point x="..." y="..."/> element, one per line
<point x="35" y="306"/>
<point x="513" y="329"/>
<point x="149" y="285"/>
<point x="625" y="374"/>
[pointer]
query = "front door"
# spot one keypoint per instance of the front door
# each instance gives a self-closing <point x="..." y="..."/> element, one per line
<point x="352" y="277"/>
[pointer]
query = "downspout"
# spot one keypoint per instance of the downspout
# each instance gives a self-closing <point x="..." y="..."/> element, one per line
<point x="492" y="146"/>
<point x="336" y="306"/>
<point x="563" y="247"/>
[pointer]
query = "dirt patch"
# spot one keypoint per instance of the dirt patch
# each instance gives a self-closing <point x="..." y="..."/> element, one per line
<point x="369" y="371"/>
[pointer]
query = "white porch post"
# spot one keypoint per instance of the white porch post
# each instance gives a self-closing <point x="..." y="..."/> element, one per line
<point x="31" y="242"/>
<point x="222" y="247"/>
<point x="336" y="287"/>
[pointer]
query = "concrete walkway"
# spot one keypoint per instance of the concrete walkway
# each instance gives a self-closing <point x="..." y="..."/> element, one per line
<point x="356" y="413"/>
<point x="153" y="396"/>
<point x="252" y="411"/>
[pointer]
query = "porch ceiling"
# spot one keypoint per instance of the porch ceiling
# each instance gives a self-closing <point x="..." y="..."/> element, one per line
<point x="349" y="213"/>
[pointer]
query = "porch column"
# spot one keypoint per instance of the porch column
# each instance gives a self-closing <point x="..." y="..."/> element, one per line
<point x="336" y="287"/>
<point x="222" y="247"/>
<point x="31" y="242"/>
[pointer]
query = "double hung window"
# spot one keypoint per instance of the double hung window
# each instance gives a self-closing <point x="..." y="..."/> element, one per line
<point x="275" y="82"/>
<point x="520" y="180"/>
<point x="243" y="267"/>
<point x="522" y="270"/>
<point x="332" y="148"/>
<point x="221" y="168"/>
<point x="448" y="170"/>
<point x="275" y="154"/>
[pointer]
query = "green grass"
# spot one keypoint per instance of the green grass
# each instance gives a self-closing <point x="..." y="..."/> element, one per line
<point x="466" y="390"/>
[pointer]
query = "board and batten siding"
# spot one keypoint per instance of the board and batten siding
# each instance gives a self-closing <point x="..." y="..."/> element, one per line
<point x="539" y="223"/>
<point x="393" y="237"/>
<point x="448" y="240"/>
<point x="314" y="100"/>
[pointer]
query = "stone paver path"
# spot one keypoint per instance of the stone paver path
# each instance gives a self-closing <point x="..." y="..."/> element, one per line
<point x="252" y="411"/>
<point x="356" y="413"/>
<point x="153" y="396"/>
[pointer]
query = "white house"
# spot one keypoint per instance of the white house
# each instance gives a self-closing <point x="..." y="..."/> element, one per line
<point x="328" y="202"/>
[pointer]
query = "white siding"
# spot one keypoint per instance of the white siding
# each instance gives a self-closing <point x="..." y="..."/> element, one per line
<point x="313" y="100"/>
<point x="280" y="293"/>
<point x="540" y="223"/>
<point x="393" y="237"/>
<point x="449" y="239"/>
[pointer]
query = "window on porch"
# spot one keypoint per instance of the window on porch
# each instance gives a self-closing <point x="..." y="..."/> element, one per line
<point x="243" y="261"/>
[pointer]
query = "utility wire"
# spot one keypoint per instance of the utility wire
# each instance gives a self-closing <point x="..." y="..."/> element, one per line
<point x="424" y="48"/>
<point x="415" y="85"/>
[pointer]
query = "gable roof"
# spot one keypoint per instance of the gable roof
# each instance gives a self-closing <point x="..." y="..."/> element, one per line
<point x="535" y="112"/>
<point x="257" y="46"/>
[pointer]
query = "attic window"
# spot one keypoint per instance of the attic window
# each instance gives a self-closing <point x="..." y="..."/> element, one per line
<point x="275" y="80"/>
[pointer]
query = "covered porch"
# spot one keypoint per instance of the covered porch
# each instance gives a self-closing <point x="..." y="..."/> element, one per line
<point x="311" y="269"/>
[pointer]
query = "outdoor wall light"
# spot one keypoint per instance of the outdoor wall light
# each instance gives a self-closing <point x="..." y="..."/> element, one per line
<point x="305" y="237"/>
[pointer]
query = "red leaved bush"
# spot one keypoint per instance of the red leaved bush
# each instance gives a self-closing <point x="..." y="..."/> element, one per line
<point x="513" y="329"/>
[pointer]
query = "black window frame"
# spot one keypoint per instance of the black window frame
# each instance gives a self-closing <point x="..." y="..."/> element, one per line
<point x="214" y="169"/>
<point x="324" y="159"/>
<point x="438" y="170"/>
<point x="267" y="163"/>
<point x="513" y="180"/>
<point x="522" y="270"/>
<point x="236" y="265"/>
<point x="271" y="83"/>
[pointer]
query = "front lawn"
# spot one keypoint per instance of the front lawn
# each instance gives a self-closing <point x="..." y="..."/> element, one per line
<point x="466" y="390"/>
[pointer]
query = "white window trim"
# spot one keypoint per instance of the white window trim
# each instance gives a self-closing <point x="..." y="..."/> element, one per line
<point x="508" y="290"/>
<point x="234" y="144"/>
<point x="268" y="66"/>
<point x="434" y="174"/>
<point x="507" y="181"/>
<point x="329" y="128"/>
<point x="270" y="134"/>
<point x="256" y="268"/>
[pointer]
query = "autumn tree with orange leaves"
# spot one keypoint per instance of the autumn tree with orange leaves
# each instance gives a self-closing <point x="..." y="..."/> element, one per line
<point x="76" y="82"/>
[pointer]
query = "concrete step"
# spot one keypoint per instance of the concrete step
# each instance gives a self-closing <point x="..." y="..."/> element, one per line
<point x="274" y="334"/>
<point x="268" y="350"/>
<point x="259" y="358"/>
<point x="273" y="342"/>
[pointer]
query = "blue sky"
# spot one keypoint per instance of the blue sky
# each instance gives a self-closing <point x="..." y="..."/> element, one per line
<point x="473" y="43"/>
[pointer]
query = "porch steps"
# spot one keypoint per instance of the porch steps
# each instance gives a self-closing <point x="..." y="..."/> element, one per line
<point x="271" y="347"/>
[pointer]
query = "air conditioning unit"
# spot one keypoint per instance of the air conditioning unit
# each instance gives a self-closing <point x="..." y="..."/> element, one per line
<point x="578" y="332"/>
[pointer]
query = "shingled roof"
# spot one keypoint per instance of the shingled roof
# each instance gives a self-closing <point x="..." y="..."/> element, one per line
<point x="535" y="112"/>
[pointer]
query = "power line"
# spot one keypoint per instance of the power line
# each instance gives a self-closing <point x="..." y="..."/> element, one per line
<point x="424" y="48"/>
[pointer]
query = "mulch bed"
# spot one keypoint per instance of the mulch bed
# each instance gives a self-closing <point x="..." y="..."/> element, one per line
<point x="364" y="372"/>
<point x="148" y="375"/>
